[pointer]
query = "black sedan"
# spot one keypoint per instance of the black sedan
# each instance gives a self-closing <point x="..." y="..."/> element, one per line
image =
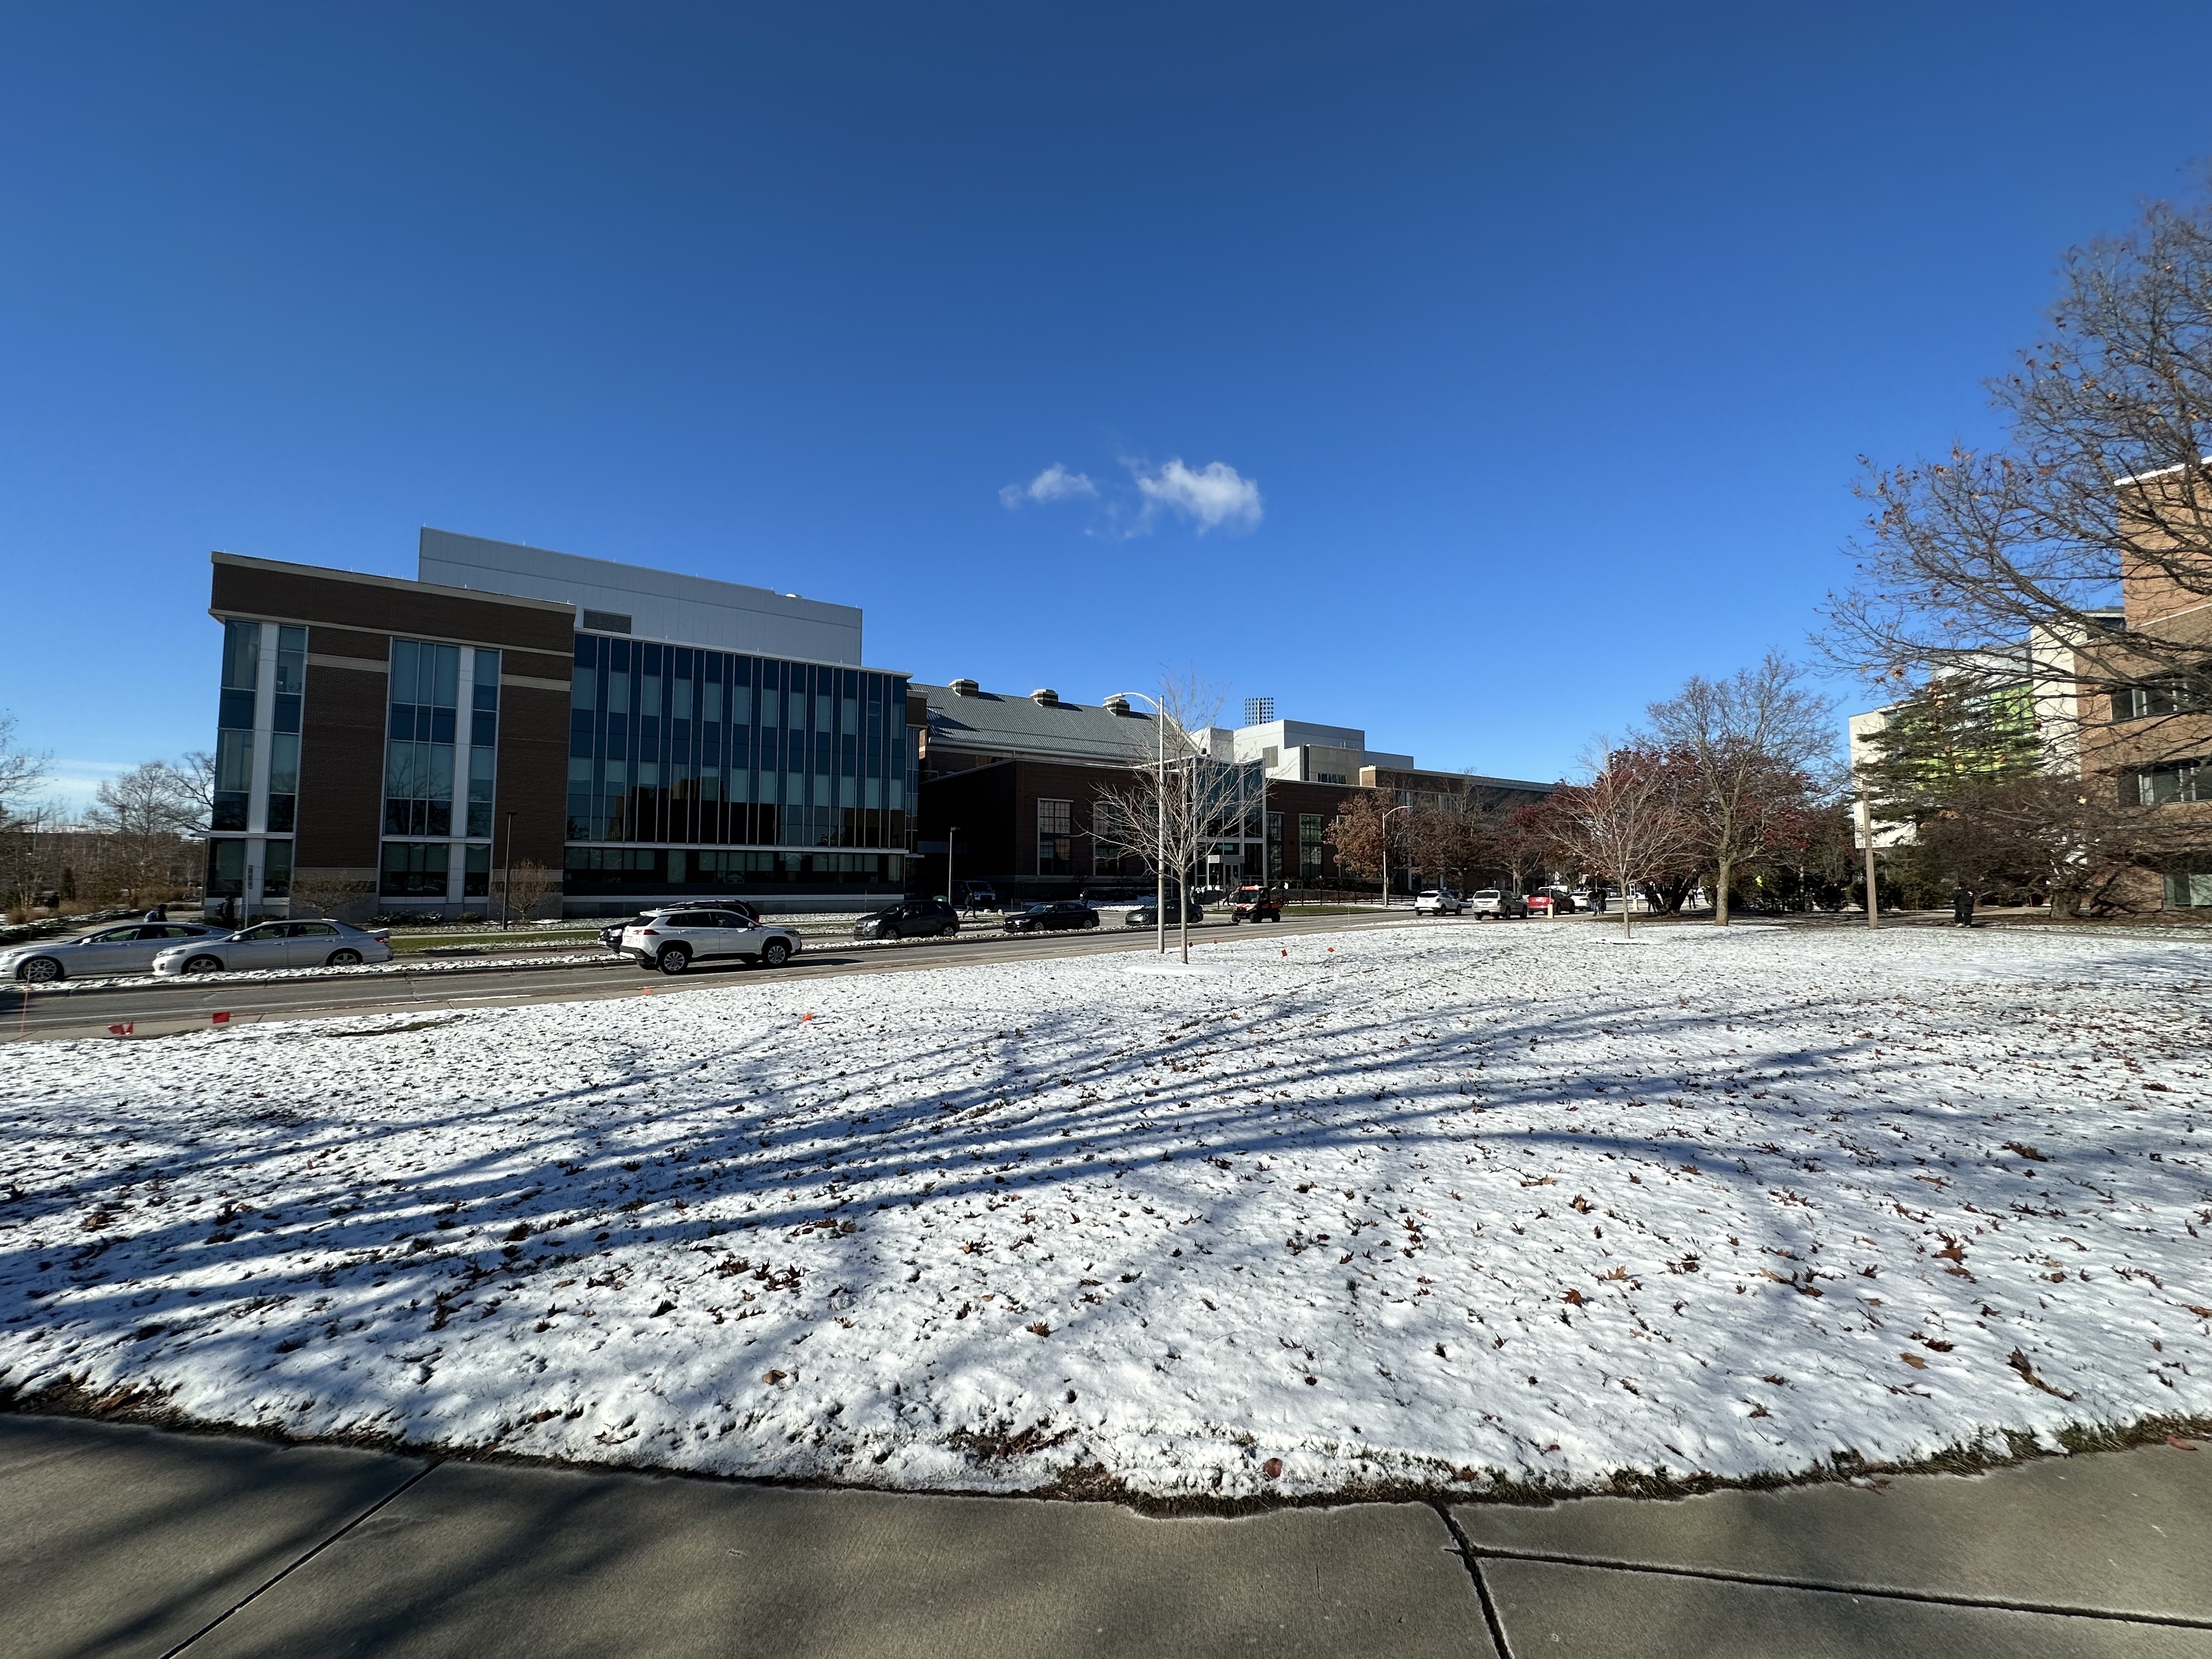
<point x="1051" y="918"/>
<point x="915" y="919"/>
<point x="1147" y="915"/>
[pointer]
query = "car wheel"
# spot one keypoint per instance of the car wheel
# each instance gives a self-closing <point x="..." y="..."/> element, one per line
<point x="674" y="960"/>
<point x="343" y="959"/>
<point x="204" y="965"/>
<point x="948" y="930"/>
<point x="774" y="953"/>
<point x="41" y="970"/>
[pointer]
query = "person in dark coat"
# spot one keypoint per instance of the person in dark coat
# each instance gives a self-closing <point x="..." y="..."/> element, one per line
<point x="1962" y="905"/>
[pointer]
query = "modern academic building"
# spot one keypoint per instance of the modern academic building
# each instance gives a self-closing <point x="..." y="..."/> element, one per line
<point x="393" y="744"/>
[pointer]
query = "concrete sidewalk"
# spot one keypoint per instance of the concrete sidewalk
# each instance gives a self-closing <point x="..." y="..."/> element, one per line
<point x="121" y="1540"/>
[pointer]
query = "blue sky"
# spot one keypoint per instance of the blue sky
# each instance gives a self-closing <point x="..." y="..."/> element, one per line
<point x="1516" y="357"/>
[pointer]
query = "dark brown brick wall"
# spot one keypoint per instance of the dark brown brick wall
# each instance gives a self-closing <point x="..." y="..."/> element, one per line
<point x="300" y="593"/>
<point x="533" y="775"/>
<point x="539" y="665"/>
<point x="341" y="763"/>
<point x="328" y="642"/>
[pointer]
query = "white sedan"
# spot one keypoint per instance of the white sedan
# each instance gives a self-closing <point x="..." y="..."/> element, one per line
<point x="127" y="949"/>
<point x="278" y="944"/>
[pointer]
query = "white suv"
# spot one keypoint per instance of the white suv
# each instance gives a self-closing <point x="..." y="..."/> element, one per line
<point x="672" y="938"/>
<point x="1439" y="901"/>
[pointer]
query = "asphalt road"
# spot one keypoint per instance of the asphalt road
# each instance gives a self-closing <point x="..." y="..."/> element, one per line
<point x="194" y="1004"/>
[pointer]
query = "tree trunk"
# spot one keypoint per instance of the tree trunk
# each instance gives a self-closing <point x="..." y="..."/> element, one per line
<point x="1721" y="895"/>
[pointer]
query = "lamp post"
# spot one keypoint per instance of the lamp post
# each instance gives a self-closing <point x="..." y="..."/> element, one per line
<point x="1386" y="854"/>
<point x="951" y="831"/>
<point x="1865" y="831"/>
<point x="506" y="878"/>
<point x="1160" y="823"/>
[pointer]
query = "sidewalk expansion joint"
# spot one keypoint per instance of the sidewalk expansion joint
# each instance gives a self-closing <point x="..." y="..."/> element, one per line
<point x="290" y="1568"/>
<point x="2000" y="1604"/>
<point x="1472" y="1557"/>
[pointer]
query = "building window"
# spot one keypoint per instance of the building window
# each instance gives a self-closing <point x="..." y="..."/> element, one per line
<point x="1328" y="777"/>
<point x="1055" y="838"/>
<point x="1309" y="846"/>
<point x="2166" y="786"/>
<point x="2169" y="694"/>
<point x="414" y="870"/>
<point x="233" y="742"/>
<point x="2190" y="888"/>
<point x="418" y="759"/>
<point x="275" y="869"/>
<point x="226" y="869"/>
<point x="475" y="875"/>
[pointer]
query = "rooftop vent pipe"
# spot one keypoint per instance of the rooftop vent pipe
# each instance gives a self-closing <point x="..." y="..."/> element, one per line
<point x="965" y="689"/>
<point x="1044" y="697"/>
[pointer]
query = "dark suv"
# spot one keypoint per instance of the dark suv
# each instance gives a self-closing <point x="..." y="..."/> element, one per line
<point x="1256" y="904"/>
<point x="914" y="919"/>
<point x="1051" y="918"/>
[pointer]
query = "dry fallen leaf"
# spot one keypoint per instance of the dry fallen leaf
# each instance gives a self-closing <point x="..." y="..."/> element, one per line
<point x="772" y="1376"/>
<point x="1272" y="1468"/>
<point x="1914" y="1361"/>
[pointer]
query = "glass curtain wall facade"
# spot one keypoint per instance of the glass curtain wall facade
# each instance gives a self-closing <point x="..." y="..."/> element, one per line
<point x="257" y="764"/>
<point x="708" y="768"/>
<point x="442" y="746"/>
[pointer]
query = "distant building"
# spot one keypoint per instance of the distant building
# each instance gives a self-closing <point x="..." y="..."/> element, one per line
<point x="1011" y="789"/>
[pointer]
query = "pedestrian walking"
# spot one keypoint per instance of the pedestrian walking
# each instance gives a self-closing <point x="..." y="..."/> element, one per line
<point x="1962" y="905"/>
<point x="159" y="913"/>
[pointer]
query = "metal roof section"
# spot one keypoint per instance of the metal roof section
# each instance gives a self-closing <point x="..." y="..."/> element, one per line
<point x="1039" y="726"/>
<point x="652" y="604"/>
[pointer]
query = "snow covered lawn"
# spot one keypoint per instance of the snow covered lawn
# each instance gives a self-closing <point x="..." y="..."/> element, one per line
<point x="1438" y="1204"/>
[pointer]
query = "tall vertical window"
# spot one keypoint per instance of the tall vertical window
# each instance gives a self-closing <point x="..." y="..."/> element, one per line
<point x="285" y="734"/>
<point x="233" y="742"/>
<point x="1055" y="838"/>
<point x="483" y="740"/>
<point x="418" y="751"/>
<point x="1309" y="846"/>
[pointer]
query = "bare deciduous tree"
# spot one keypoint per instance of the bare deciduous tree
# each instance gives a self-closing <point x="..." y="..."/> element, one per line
<point x="1625" y="824"/>
<point x="523" y="891"/>
<point x="21" y="771"/>
<point x="1169" y="815"/>
<point x="321" y="893"/>
<point x="2005" y="564"/>
<point x="144" y="813"/>
<point x="1750" y="747"/>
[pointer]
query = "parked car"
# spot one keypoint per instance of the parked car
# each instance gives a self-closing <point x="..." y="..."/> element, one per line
<point x="1438" y="901"/>
<point x="1063" y="914"/>
<point x="1147" y="915"/>
<point x="278" y="944"/>
<point x="1257" y="904"/>
<point x="914" y="919"/>
<point x="1492" y="904"/>
<point x="1562" y="900"/>
<point x="129" y="949"/>
<point x="674" y="937"/>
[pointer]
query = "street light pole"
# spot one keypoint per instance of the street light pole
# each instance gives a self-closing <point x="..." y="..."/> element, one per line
<point x="951" y="831"/>
<point x="1160" y="823"/>
<point x="1385" y="854"/>
<point x="1866" y="832"/>
<point x="506" y="878"/>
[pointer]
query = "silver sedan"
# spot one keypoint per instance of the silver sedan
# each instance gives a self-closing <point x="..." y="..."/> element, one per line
<point x="125" y="950"/>
<point x="278" y="945"/>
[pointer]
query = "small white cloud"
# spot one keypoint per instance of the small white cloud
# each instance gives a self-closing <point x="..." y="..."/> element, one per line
<point x="1210" y="496"/>
<point x="1054" y="484"/>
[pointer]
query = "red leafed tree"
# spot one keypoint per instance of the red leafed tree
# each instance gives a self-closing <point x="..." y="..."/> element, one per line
<point x="1627" y="823"/>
